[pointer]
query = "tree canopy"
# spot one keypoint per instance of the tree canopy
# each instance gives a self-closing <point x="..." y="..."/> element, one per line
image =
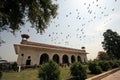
<point x="103" y="55"/>
<point x="111" y="44"/>
<point x="15" y="13"/>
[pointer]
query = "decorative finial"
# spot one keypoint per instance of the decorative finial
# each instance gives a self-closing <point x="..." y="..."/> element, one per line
<point x="83" y="48"/>
<point x="25" y="36"/>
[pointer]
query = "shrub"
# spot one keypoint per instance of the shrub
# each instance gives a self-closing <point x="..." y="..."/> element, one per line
<point x="78" y="71"/>
<point x="0" y="75"/>
<point x="4" y="67"/>
<point x="111" y="63"/>
<point x="118" y="61"/>
<point x="14" y="66"/>
<point x="94" y="68"/>
<point x="49" y="71"/>
<point x="98" y="69"/>
<point x="104" y="65"/>
<point x="115" y="64"/>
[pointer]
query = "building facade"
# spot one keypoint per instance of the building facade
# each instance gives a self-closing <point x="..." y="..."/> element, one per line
<point x="32" y="53"/>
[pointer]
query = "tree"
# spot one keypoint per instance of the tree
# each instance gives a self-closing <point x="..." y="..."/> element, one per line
<point x="103" y="55"/>
<point x="15" y="13"/>
<point x="111" y="44"/>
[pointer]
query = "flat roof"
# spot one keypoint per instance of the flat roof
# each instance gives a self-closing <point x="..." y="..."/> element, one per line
<point x="47" y="47"/>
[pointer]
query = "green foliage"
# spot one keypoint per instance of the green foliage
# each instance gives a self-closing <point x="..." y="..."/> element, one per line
<point x="118" y="61"/>
<point x="14" y="13"/>
<point x="111" y="63"/>
<point x="114" y="64"/>
<point x="8" y="66"/>
<point x="14" y="66"/>
<point x="111" y="44"/>
<point x="77" y="70"/>
<point x="49" y="71"/>
<point x="0" y="75"/>
<point x="4" y="66"/>
<point x="103" y="55"/>
<point x="98" y="69"/>
<point x="104" y="65"/>
<point x="94" y="68"/>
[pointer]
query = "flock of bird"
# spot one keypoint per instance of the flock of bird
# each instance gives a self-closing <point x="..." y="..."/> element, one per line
<point x="63" y="37"/>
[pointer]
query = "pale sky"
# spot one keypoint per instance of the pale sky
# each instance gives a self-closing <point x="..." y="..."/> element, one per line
<point x="78" y="23"/>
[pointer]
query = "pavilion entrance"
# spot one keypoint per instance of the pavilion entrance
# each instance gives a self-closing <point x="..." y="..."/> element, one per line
<point x="44" y="58"/>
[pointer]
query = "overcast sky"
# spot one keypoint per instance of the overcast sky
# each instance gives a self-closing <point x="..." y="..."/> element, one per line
<point x="78" y="23"/>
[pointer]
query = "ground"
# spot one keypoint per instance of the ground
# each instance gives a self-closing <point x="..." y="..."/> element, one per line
<point x="32" y="74"/>
<point x="114" y="76"/>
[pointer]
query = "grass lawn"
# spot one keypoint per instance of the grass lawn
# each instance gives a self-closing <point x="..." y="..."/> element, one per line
<point x="29" y="74"/>
<point x="32" y="74"/>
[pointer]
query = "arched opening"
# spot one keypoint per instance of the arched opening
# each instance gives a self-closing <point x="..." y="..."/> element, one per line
<point x="72" y="58"/>
<point x="44" y="58"/>
<point x="56" y="58"/>
<point x="28" y="61"/>
<point x="79" y="59"/>
<point x="65" y="59"/>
